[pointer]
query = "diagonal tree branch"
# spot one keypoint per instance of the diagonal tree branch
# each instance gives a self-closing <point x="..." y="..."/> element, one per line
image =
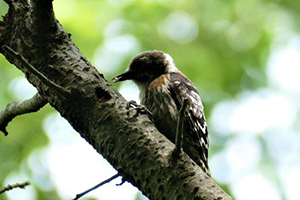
<point x="128" y="140"/>
<point x="19" y="108"/>
<point x="65" y="93"/>
<point x="97" y="186"/>
<point x="17" y="185"/>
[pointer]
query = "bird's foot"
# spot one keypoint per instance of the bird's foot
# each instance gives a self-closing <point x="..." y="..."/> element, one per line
<point x="140" y="109"/>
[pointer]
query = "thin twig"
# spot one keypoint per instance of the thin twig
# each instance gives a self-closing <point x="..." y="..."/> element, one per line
<point x="17" y="185"/>
<point x="62" y="91"/>
<point x="96" y="186"/>
<point x="179" y="129"/>
<point x="19" y="108"/>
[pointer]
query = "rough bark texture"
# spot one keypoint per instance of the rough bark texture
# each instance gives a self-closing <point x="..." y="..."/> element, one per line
<point x="19" y="108"/>
<point x="96" y="110"/>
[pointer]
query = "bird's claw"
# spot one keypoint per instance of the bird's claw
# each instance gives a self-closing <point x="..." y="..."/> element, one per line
<point x="131" y="104"/>
<point x="139" y="108"/>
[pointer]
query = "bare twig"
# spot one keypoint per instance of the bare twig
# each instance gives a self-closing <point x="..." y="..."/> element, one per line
<point x="179" y="130"/>
<point x="62" y="91"/>
<point x="18" y="108"/>
<point x="17" y="185"/>
<point x="96" y="186"/>
<point x="122" y="181"/>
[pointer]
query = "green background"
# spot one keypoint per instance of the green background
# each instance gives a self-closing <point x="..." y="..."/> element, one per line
<point x="229" y="49"/>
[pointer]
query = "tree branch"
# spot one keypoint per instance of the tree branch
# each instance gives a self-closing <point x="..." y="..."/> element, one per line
<point x="129" y="141"/>
<point x="96" y="186"/>
<point x="17" y="185"/>
<point x="65" y="93"/>
<point x="19" y="108"/>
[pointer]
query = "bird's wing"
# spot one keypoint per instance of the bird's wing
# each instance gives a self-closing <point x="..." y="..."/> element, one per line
<point x="195" y="124"/>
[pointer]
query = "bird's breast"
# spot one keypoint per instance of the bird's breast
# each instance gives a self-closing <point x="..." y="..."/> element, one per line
<point x="157" y="98"/>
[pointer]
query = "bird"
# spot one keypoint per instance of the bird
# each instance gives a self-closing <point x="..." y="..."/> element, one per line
<point x="162" y="88"/>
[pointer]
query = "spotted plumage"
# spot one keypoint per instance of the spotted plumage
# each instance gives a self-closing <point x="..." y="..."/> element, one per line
<point x="162" y="89"/>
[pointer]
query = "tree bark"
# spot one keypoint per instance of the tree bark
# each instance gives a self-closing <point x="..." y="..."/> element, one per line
<point x="128" y="140"/>
<point x="19" y="108"/>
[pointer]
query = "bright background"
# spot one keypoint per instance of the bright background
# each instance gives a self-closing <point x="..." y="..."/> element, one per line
<point x="244" y="58"/>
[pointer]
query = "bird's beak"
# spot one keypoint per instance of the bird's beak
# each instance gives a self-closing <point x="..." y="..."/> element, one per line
<point x="123" y="77"/>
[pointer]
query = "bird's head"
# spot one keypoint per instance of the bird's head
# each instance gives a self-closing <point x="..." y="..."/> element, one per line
<point x="147" y="66"/>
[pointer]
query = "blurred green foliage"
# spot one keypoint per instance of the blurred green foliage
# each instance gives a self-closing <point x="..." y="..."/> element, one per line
<point x="222" y="46"/>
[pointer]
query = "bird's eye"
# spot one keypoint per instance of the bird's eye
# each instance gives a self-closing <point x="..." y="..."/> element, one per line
<point x="144" y="59"/>
<point x="162" y="65"/>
